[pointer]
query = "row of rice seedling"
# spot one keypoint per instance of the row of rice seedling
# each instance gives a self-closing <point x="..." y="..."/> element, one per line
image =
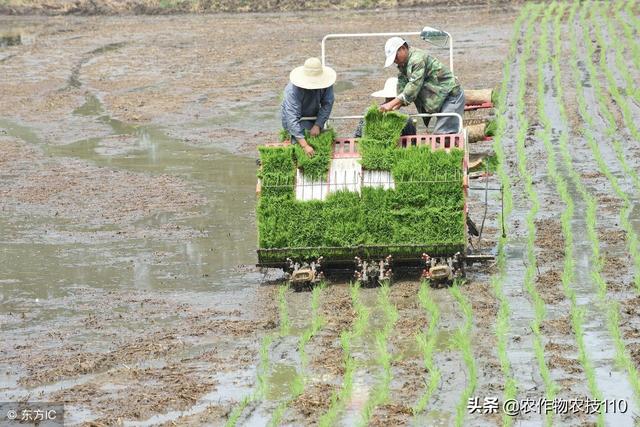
<point x="380" y="393"/>
<point x="264" y="366"/>
<point x="622" y="353"/>
<point x="631" y="42"/>
<point x="632" y="14"/>
<point x="298" y="383"/>
<point x="498" y="280"/>
<point x="625" y="223"/>
<point x="616" y="46"/>
<point x="463" y="342"/>
<point x="261" y="379"/>
<point x="568" y="274"/>
<point x="530" y="192"/>
<point x="567" y="159"/>
<point x="427" y="341"/>
<point x="296" y="387"/>
<point x="619" y="98"/>
<point x="339" y="399"/>
<point x="317" y="322"/>
<point x="622" y="103"/>
<point x="630" y="88"/>
<point x="285" y="324"/>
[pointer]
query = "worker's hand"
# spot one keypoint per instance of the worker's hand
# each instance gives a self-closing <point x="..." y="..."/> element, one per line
<point x="387" y="106"/>
<point x="394" y="104"/>
<point x="306" y="147"/>
<point x="315" y="131"/>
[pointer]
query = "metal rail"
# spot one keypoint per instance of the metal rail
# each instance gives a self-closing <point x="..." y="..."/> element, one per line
<point x="458" y="116"/>
<point x="369" y="183"/>
<point x="401" y="252"/>
<point x="354" y="35"/>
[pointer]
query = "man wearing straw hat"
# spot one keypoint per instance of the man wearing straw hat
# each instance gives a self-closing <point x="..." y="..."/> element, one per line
<point x="388" y="93"/>
<point x="426" y="82"/>
<point x="309" y="93"/>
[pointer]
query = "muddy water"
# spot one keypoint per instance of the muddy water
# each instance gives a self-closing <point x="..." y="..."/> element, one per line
<point x="219" y="236"/>
<point x="596" y="334"/>
<point x="611" y="379"/>
<point x="225" y="223"/>
<point x="45" y="260"/>
<point x="521" y="338"/>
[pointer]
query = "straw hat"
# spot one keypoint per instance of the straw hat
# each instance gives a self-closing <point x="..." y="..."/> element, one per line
<point x="313" y="75"/>
<point x="389" y="90"/>
<point x="391" y="48"/>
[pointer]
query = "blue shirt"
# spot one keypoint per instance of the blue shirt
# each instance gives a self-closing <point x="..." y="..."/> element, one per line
<point x="298" y="103"/>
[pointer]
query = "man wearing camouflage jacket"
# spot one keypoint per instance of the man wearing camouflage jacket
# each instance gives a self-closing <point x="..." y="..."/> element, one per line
<point x="425" y="81"/>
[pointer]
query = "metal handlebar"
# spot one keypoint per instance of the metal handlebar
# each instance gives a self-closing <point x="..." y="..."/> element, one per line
<point x="353" y="35"/>
<point x="458" y="116"/>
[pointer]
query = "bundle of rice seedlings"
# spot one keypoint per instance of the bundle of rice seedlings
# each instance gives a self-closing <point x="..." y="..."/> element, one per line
<point x="495" y="95"/>
<point x="317" y="166"/>
<point x="491" y="128"/>
<point x="427" y="178"/>
<point x="425" y="208"/>
<point x="428" y="226"/>
<point x="380" y="138"/>
<point x="283" y="135"/>
<point x="477" y="96"/>
<point x="377" y="215"/>
<point x="480" y="96"/>
<point x="375" y="157"/>
<point x="489" y="163"/>
<point x="277" y="172"/>
<point x="477" y="132"/>
<point x="277" y="175"/>
<point x="343" y="221"/>
<point x="383" y="127"/>
<point x="428" y="201"/>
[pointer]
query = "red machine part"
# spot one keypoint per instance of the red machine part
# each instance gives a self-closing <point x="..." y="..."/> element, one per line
<point x="348" y="147"/>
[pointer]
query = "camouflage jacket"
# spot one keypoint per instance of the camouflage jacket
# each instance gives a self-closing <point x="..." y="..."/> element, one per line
<point x="425" y="81"/>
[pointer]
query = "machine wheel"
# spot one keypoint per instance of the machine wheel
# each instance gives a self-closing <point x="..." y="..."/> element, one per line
<point x="442" y="271"/>
<point x="370" y="274"/>
<point x="303" y="276"/>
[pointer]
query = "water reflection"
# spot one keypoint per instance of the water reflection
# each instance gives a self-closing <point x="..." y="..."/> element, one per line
<point x="201" y="249"/>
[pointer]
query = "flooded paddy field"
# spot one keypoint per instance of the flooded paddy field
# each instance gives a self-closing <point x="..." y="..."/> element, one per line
<point x="127" y="195"/>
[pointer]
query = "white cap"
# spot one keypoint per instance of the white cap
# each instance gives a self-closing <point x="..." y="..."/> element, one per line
<point x="391" y="48"/>
<point x="389" y="91"/>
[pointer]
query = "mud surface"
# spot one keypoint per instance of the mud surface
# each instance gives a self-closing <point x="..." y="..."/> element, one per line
<point x="160" y="7"/>
<point x="127" y="211"/>
<point x="127" y="202"/>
